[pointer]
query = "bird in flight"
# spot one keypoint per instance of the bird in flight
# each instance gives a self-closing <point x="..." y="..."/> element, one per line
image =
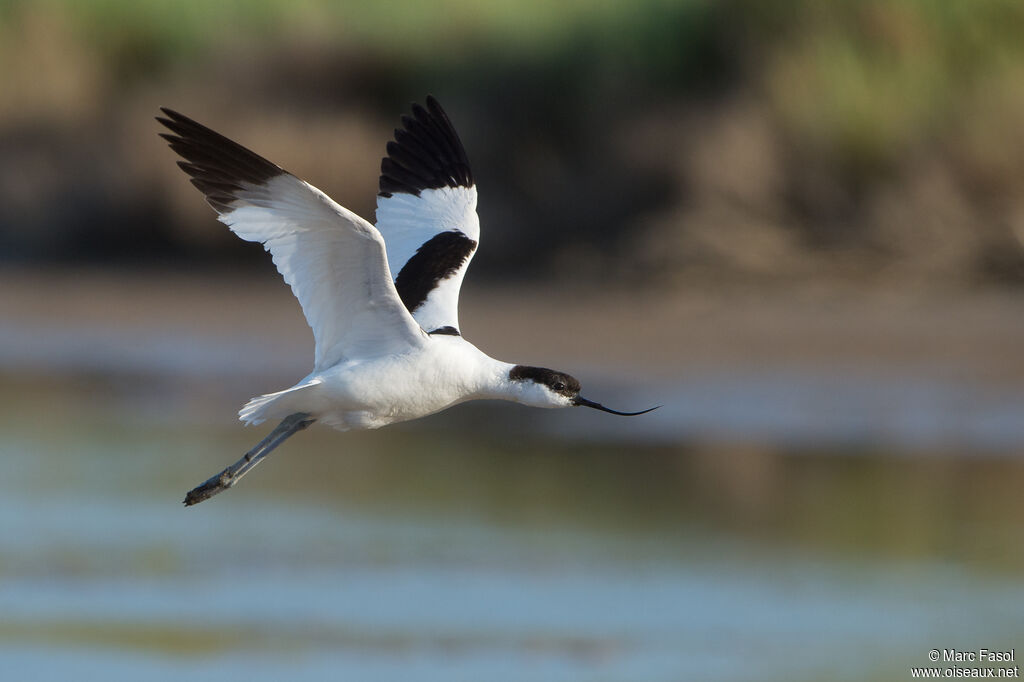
<point x="382" y="301"/>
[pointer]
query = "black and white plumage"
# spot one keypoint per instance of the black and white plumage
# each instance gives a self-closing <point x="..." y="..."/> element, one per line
<point x="382" y="301"/>
<point x="426" y="211"/>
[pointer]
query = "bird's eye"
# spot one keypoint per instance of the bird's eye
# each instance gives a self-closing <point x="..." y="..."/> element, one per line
<point x="558" y="386"/>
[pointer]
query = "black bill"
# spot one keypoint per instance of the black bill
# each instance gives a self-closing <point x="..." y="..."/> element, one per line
<point x="580" y="400"/>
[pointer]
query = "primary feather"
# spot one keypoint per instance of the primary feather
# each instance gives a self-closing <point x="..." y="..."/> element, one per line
<point x="333" y="260"/>
<point x="426" y="211"/>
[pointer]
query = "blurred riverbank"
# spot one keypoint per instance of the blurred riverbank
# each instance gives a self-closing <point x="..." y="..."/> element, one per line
<point x="576" y="545"/>
<point x="649" y="143"/>
<point x="830" y="366"/>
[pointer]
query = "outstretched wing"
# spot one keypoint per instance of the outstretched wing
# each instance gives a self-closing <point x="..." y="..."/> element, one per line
<point x="333" y="260"/>
<point x="426" y="210"/>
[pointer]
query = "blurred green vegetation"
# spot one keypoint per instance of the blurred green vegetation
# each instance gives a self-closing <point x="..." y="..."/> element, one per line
<point x="642" y="139"/>
<point x="873" y="79"/>
<point x="868" y="78"/>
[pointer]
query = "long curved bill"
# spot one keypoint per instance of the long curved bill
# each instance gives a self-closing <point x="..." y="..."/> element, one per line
<point x="580" y="400"/>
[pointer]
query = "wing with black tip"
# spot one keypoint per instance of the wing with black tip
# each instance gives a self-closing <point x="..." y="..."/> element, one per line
<point x="426" y="211"/>
<point x="334" y="261"/>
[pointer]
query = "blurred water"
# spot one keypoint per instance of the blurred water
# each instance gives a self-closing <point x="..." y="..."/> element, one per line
<point x="788" y="406"/>
<point x="438" y="553"/>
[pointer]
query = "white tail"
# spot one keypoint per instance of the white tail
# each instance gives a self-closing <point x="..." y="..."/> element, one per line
<point x="275" y="405"/>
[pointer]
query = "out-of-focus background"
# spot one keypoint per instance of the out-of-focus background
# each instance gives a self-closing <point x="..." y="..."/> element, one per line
<point x="798" y="226"/>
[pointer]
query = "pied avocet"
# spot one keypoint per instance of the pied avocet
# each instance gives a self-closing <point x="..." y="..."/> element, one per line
<point x="382" y="301"/>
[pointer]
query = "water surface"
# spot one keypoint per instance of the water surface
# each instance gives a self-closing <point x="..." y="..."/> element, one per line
<point x="470" y="547"/>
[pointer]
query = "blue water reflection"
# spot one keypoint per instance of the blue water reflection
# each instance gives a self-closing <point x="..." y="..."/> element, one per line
<point x="430" y="552"/>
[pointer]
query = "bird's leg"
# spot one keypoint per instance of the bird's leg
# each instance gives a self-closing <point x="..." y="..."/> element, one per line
<point x="289" y="426"/>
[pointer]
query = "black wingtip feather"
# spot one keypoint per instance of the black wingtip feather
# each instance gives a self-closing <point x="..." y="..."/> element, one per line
<point x="218" y="166"/>
<point x="425" y="154"/>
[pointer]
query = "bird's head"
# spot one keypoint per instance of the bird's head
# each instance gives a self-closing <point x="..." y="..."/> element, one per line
<point x="543" y="387"/>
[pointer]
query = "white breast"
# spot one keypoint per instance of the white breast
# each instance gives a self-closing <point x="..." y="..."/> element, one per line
<point x="380" y="391"/>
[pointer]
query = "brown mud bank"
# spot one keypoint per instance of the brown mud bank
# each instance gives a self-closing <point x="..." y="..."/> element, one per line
<point x="791" y="365"/>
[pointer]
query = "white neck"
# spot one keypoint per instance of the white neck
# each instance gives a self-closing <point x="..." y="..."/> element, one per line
<point x="479" y="376"/>
<point x="496" y="384"/>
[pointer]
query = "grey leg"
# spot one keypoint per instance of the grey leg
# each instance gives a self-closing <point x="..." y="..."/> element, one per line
<point x="288" y="427"/>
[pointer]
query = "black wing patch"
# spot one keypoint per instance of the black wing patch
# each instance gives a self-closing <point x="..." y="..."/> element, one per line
<point x="426" y="154"/>
<point x="218" y="166"/>
<point x="438" y="258"/>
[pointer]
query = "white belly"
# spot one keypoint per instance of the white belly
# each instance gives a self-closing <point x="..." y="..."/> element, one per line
<point x="368" y="394"/>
